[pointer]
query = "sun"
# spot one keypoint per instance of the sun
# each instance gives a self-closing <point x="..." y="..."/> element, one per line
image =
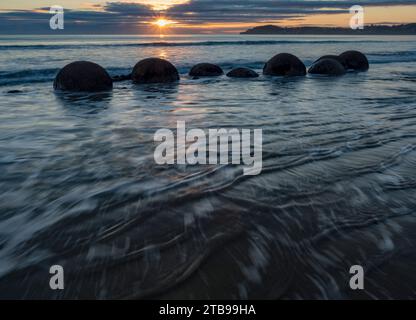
<point x="161" y="23"/>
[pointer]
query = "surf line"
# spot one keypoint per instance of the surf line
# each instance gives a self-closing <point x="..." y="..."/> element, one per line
<point x="196" y="147"/>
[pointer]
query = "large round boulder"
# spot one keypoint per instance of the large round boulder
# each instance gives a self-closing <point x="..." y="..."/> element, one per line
<point x="328" y="66"/>
<point x="284" y="64"/>
<point x="206" y="70"/>
<point x="334" y="57"/>
<point x="242" y="73"/>
<point x="154" y="70"/>
<point x="83" y="76"/>
<point x="355" y="60"/>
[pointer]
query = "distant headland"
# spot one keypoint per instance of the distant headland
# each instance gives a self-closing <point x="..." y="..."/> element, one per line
<point x="403" y="29"/>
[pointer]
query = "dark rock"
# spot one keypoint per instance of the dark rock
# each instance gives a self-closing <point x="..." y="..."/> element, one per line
<point x="123" y="77"/>
<point x="355" y="60"/>
<point x="242" y="73"/>
<point x="14" y="91"/>
<point x="328" y="66"/>
<point x="335" y="57"/>
<point x="83" y="76"/>
<point x="284" y="64"/>
<point x="154" y="70"/>
<point x="206" y="70"/>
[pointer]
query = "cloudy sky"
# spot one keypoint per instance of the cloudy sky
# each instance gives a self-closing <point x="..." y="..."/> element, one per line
<point x="193" y="16"/>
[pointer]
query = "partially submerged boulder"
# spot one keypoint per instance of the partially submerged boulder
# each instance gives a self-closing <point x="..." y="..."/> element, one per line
<point x="242" y="73"/>
<point x="334" y="57"/>
<point x="284" y="64"/>
<point x="355" y="60"/>
<point x="206" y="70"/>
<point x="327" y="66"/>
<point x="83" y="76"/>
<point x="154" y="70"/>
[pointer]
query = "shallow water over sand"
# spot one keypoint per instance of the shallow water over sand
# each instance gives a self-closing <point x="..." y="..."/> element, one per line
<point x="79" y="186"/>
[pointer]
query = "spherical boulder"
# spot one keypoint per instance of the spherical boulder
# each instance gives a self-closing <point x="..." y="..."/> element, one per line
<point x="284" y="64"/>
<point x="206" y="70"/>
<point x="335" y="57"/>
<point x="355" y="60"/>
<point x="83" y="76"/>
<point x="154" y="70"/>
<point x="242" y="73"/>
<point x="328" y="66"/>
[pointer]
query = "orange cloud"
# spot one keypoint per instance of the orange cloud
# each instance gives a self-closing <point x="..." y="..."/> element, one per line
<point x="158" y="5"/>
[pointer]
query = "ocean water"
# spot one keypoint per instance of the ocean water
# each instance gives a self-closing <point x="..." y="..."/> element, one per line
<point x="79" y="186"/>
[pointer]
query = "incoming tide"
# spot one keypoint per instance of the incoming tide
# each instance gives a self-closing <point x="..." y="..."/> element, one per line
<point x="79" y="186"/>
